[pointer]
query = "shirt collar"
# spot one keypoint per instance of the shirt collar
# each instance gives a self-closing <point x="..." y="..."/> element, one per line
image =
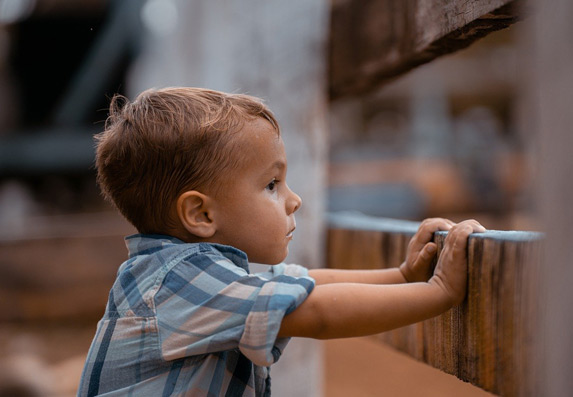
<point x="146" y="244"/>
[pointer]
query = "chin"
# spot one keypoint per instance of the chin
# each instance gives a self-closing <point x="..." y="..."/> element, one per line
<point x="275" y="260"/>
<point x="270" y="258"/>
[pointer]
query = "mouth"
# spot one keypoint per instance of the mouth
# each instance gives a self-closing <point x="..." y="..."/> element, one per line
<point x="290" y="233"/>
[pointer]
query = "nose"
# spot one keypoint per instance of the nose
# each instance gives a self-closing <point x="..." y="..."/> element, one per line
<point x="293" y="202"/>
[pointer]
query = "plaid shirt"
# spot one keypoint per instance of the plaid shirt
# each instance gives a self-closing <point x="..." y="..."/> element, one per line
<point x="189" y="320"/>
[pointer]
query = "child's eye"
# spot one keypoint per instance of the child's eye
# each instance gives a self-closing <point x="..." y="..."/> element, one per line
<point x="272" y="185"/>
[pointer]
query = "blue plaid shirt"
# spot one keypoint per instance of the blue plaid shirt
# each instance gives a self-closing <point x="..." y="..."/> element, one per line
<point x="190" y="320"/>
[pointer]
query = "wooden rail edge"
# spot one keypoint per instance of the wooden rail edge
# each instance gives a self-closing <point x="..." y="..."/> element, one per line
<point x="488" y="339"/>
<point x="375" y="41"/>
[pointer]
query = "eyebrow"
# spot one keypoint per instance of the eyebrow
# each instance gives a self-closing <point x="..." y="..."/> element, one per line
<point x="278" y="164"/>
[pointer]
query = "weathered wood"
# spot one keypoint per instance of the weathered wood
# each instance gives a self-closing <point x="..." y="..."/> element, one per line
<point x="487" y="340"/>
<point x="62" y="268"/>
<point x="58" y="278"/>
<point x="374" y="41"/>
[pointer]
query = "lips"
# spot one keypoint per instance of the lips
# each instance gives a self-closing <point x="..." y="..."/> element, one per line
<point x="289" y="234"/>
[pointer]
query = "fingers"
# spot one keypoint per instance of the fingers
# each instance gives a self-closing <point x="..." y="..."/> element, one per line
<point x="461" y="231"/>
<point x="451" y="270"/>
<point x="428" y="227"/>
<point x="426" y="255"/>
<point x="421" y="269"/>
<point x="428" y="252"/>
<point x="434" y="224"/>
<point x="421" y="251"/>
<point x="458" y="236"/>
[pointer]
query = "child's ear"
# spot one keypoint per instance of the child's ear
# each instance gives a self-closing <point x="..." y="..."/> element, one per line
<point x="195" y="213"/>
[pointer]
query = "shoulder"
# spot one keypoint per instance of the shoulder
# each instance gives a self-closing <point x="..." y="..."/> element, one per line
<point x="213" y="259"/>
<point x="204" y="270"/>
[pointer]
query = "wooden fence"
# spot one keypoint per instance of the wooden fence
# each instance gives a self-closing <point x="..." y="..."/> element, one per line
<point x="488" y="339"/>
<point x="62" y="269"/>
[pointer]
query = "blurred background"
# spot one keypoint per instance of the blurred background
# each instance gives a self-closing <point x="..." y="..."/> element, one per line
<point x="445" y="139"/>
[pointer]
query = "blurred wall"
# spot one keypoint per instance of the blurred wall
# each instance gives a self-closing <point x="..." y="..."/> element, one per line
<point x="274" y="50"/>
<point x="551" y="97"/>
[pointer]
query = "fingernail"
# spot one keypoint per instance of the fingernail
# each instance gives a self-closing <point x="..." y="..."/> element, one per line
<point x="431" y="249"/>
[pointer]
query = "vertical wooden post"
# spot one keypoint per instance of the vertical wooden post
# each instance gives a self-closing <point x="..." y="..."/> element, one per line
<point x="552" y="96"/>
<point x="274" y="50"/>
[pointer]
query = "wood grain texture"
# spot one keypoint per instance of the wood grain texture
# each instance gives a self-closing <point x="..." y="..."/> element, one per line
<point x="374" y="41"/>
<point x="60" y="278"/>
<point x="487" y="340"/>
<point x="61" y="268"/>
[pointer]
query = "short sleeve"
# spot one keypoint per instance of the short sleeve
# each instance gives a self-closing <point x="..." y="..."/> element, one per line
<point x="210" y="305"/>
<point x="279" y="296"/>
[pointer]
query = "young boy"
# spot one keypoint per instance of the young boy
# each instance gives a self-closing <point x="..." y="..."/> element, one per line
<point x="202" y="176"/>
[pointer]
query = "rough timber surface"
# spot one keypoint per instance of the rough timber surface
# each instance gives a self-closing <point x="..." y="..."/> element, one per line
<point x="374" y="41"/>
<point x="487" y="340"/>
<point x="62" y="268"/>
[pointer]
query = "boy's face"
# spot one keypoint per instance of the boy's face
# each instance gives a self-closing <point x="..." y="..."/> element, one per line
<point x="255" y="207"/>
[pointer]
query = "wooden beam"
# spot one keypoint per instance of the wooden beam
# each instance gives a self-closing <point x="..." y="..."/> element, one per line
<point x="374" y="41"/>
<point x="487" y="340"/>
<point x="62" y="268"/>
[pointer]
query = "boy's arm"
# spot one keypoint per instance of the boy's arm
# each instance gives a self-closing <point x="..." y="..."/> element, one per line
<point x="347" y="310"/>
<point x="377" y="276"/>
<point x="416" y="267"/>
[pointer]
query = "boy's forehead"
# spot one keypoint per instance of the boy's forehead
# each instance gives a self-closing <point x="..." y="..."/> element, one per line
<point x="258" y="133"/>
<point x="258" y="126"/>
<point x="259" y="141"/>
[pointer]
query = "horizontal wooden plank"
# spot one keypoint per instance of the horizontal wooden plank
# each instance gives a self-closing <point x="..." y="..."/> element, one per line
<point x="58" y="278"/>
<point x="487" y="340"/>
<point x="62" y="268"/>
<point x="374" y="41"/>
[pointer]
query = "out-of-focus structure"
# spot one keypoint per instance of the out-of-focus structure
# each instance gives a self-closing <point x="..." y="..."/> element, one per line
<point x="382" y="115"/>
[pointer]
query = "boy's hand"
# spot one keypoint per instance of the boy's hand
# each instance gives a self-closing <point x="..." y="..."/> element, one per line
<point x="421" y="250"/>
<point x="451" y="271"/>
